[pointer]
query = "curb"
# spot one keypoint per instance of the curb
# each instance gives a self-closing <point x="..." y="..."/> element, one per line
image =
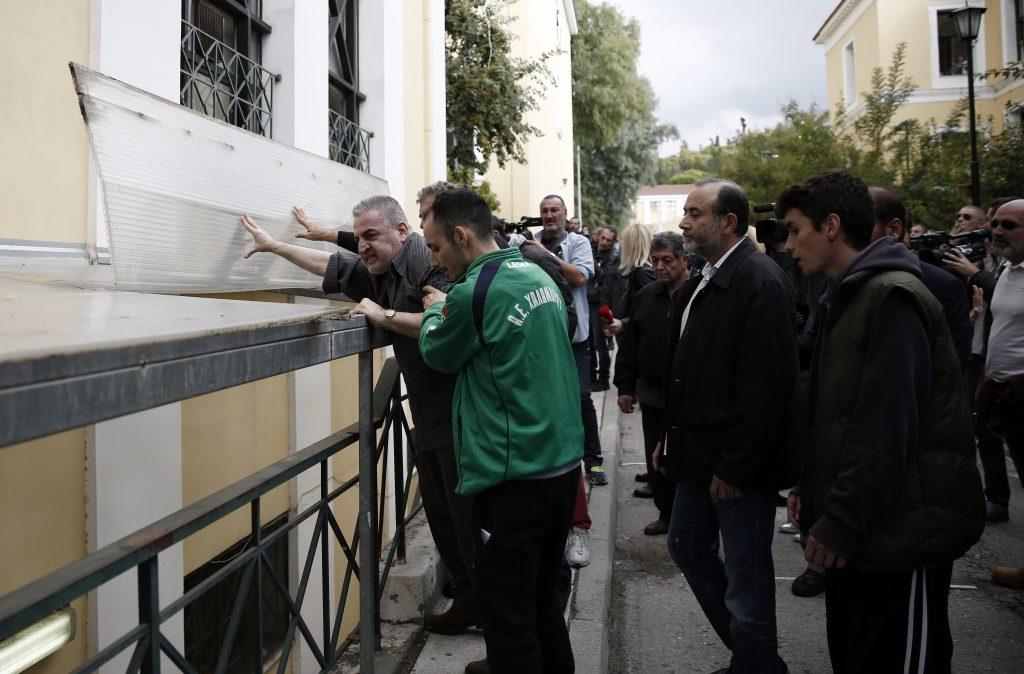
<point x="588" y="612"/>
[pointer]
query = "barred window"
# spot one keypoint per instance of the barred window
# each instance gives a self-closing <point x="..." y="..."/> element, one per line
<point x="349" y="144"/>
<point x="221" y="52"/>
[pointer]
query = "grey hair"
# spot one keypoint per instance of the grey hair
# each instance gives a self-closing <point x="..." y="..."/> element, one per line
<point x="435" y="188"/>
<point x="388" y="207"/>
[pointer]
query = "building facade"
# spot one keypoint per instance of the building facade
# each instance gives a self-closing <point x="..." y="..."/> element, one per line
<point x="860" y="35"/>
<point x="542" y="27"/>
<point x="361" y="82"/>
<point x="661" y="206"/>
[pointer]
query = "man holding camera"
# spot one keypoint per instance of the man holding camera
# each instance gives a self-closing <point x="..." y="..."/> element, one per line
<point x="386" y="277"/>
<point x="501" y="329"/>
<point x="577" y="262"/>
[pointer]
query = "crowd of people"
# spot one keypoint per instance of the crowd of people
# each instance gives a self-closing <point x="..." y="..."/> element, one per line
<point x="834" y="364"/>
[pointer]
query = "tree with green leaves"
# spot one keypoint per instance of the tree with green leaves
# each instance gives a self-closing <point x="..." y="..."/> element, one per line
<point x="613" y="114"/>
<point x="488" y="91"/>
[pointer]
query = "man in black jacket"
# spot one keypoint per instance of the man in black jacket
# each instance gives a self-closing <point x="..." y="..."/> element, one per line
<point x="732" y="421"/>
<point x="889" y="495"/>
<point x="640" y="365"/>
<point x="606" y="262"/>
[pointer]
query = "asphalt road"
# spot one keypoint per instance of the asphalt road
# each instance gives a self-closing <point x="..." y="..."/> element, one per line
<point x="657" y="626"/>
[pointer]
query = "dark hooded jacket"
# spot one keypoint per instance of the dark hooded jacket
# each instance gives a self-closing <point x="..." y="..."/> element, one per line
<point x="889" y="479"/>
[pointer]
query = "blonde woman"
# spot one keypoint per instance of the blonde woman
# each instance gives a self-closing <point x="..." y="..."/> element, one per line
<point x="634" y="273"/>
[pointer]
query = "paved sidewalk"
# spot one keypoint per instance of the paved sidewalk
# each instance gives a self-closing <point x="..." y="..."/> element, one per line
<point x="589" y="605"/>
<point x="657" y="626"/>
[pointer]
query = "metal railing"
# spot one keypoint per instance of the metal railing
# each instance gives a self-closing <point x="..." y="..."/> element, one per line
<point x="218" y="81"/>
<point x="382" y="412"/>
<point x="349" y="142"/>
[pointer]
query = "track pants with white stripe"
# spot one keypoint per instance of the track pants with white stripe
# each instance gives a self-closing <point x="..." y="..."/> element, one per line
<point x="894" y="622"/>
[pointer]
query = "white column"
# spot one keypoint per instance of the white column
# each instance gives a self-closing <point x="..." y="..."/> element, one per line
<point x="134" y="463"/>
<point x="137" y="42"/>
<point x="437" y="144"/>
<point x="297" y="51"/>
<point x="310" y="394"/>
<point x="133" y="476"/>
<point x="381" y="78"/>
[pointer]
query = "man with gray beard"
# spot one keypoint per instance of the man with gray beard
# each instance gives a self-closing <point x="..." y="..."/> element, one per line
<point x="732" y="423"/>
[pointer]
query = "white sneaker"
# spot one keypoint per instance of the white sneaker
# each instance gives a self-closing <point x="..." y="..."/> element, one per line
<point x="577" y="548"/>
<point x="788" y="528"/>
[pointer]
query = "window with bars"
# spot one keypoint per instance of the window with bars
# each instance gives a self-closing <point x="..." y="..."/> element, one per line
<point x="349" y="143"/>
<point x="221" y="51"/>
<point x="208" y="617"/>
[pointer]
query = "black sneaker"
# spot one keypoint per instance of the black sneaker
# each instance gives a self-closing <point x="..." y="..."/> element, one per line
<point x="809" y="584"/>
<point x="642" y="477"/>
<point x="646" y="491"/>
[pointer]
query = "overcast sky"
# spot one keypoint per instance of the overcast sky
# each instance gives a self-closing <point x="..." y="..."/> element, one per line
<point x="713" y="62"/>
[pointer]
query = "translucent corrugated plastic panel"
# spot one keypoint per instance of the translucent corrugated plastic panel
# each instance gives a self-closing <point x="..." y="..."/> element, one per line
<point x="175" y="183"/>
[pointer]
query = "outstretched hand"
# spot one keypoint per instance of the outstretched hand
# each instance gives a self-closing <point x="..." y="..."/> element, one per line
<point x="261" y="241"/>
<point x="313" y="231"/>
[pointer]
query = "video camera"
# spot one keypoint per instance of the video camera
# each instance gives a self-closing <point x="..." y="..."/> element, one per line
<point x="770" y="231"/>
<point x="933" y="246"/>
<point x="505" y="228"/>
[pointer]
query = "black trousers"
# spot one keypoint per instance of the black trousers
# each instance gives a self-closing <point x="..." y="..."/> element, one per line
<point x="889" y="622"/>
<point x="653" y="421"/>
<point x="449" y="515"/>
<point x="525" y="523"/>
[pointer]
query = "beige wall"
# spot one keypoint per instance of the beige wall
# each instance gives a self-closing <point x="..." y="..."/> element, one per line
<point x="884" y="25"/>
<point x="549" y="166"/>
<point x="45" y="150"/>
<point x="417" y="165"/>
<point x="42" y="497"/>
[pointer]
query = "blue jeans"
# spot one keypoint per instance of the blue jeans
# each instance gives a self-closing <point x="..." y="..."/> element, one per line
<point x="737" y="595"/>
<point x="591" y="439"/>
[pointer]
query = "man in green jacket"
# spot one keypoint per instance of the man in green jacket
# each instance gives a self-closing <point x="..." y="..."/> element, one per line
<point x="502" y="329"/>
<point x="890" y="494"/>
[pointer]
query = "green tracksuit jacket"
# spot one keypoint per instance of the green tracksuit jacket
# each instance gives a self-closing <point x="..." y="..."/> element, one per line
<point x="516" y="410"/>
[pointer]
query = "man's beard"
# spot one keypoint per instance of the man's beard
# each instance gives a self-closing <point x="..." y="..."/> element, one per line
<point x="710" y="247"/>
<point x="1006" y="249"/>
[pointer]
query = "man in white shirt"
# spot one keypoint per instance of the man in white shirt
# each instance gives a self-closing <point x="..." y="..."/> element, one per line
<point x="1001" y="394"/>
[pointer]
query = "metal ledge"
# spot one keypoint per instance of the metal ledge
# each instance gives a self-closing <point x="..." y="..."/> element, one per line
<point x="53" y="379"/>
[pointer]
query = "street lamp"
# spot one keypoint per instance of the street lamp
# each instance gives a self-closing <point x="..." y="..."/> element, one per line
<point x="968" y="24"/>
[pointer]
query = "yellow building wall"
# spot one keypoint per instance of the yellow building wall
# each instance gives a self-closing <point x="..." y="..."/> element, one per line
<point x="44" y="145"/>
<point x="549" y="166"/>
<point x="417" y="102"/>
<point x="884" y="25"/>
<point x="42" y="495"/>
<point x="229" y="435"/>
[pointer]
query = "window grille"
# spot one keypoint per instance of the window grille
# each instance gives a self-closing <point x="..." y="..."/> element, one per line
<point x="220" y="71"/>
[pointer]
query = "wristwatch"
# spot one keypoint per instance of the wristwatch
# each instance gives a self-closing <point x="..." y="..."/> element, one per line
<point x="388" y="315"/>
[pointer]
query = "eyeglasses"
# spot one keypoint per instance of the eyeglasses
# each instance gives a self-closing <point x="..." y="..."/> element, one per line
<point x="1007" y="225"/>
<point x="964" y="216"/>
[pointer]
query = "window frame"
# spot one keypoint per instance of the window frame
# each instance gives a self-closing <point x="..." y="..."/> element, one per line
<point x="940" y="81"/>
<point x="850" y="73"/>
<point x="348" y="49"/>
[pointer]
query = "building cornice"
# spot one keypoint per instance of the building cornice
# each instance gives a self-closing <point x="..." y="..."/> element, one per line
<point x="843" y="11"/>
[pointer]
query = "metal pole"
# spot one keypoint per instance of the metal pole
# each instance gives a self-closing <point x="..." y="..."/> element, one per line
<point x="975" y="173"/>
<point x="398" y="448"/>
<point x="257" y="599"/>
<point x="149" y="613"/>
<point x="579" y="188"/>
<point x="367" y="517"/>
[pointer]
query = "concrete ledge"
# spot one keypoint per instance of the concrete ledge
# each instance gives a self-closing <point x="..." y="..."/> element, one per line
<point x="414" y="586"/>
<point x="588" y="611"/>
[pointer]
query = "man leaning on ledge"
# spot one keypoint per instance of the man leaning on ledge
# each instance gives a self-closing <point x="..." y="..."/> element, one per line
<point x="386" y="276"/>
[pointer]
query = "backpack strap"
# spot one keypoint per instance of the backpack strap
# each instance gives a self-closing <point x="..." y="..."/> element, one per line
<point x="483" y="283"/>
